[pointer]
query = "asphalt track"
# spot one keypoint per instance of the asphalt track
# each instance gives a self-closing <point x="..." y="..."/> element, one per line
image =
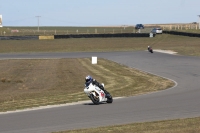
<point x="181" y="101"/>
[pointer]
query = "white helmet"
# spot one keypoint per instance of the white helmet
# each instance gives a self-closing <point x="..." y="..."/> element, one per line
<point x="148" y="46"/>
<point x="88" y="79"/>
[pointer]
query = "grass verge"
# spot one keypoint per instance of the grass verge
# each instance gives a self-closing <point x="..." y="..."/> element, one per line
<point x="33" y="83"/>
<point x="190" y="125"/>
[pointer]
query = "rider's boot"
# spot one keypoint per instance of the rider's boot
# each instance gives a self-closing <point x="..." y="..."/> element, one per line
<point x="107" y="93"/>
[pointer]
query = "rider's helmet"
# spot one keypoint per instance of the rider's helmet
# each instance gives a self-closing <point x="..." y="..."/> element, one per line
<point x="88" y="79"/>
<point x="148" y="46"/>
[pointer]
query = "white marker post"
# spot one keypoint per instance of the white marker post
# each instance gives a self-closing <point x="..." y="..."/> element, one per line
<point x="94" y="60"/>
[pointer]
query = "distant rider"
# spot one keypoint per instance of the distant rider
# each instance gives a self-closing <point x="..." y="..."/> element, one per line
<point x="89" y="79"/>
<point x="149" y="48"/>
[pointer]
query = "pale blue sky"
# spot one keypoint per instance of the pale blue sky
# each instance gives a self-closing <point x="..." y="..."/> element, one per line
<point x="97" y="12"/>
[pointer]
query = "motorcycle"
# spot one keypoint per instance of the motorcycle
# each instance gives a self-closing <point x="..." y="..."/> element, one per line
<point x="150" y="50"/>
<point x="96" y="94"/>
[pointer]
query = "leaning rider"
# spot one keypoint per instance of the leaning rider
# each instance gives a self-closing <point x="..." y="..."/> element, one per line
<point x="89" y="79"/>
<point x="149" y="48"/>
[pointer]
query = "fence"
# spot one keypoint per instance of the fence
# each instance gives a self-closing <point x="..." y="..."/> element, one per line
<point x="18" y="31"/>
<point x="36" y="37"/>
<point x="180" y="27"/>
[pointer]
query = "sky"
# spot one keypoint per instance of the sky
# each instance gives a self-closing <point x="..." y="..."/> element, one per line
<point x="97" y="12"/>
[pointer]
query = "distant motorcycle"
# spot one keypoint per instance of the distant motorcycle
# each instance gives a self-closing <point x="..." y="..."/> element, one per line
<point x="96" y="94"/>
<point x="150" y="50"/>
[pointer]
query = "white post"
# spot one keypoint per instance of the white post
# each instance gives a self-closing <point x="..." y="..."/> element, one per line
<point x="94" y="60"/>
<point x="38" y="21"/>
<point x="199" y="22"/>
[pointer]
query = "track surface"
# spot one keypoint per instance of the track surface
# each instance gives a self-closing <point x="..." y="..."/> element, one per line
<point x="181" y="101"/>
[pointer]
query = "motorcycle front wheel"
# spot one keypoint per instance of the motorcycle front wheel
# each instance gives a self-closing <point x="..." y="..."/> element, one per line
<point x="94" y="100"/>
<point x="110" y="99"/>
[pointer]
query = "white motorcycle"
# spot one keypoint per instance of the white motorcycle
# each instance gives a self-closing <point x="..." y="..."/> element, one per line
<point x="96" y="94"/>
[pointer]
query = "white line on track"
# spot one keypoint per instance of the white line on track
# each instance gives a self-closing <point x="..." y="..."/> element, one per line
<point x="51" y="106"/>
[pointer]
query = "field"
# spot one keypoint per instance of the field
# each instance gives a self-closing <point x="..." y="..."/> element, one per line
<point x="40" y="82"/>
<point x="15" y="31"/>
<point x="63" y="30"/>
<point x="182" y="45"/>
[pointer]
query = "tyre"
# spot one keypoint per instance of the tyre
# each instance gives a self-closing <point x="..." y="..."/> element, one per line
<point x="110" y="99"/>
<point x="94" y="100"/>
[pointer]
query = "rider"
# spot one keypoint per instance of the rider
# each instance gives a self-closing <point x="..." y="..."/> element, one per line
<point x="89" y="79"/>
<point x="149" y="47"/>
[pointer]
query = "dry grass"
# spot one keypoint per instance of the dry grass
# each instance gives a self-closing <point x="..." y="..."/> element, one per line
<point x="31" y="83"/>
<point x="181" y="44"/>
<point x="170" y="126"/>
